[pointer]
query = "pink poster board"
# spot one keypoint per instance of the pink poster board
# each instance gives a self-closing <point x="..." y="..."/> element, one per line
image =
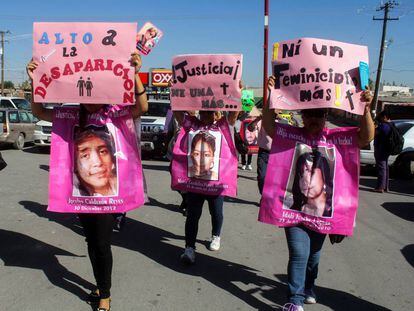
<point x="312" y="181"/>
<point x="317" y="73"/>
<point x="147" y="38"/>
<point x="206" y="82"/>
<point x="204" y="159"/>
<point x="95" y="169"/>
<point x="84" y="62"/>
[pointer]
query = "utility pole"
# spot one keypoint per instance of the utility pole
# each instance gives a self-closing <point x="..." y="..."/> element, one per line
<point x="386" y="7"/>
<point x="265" y="50"/>
<point x="2" y="33"/>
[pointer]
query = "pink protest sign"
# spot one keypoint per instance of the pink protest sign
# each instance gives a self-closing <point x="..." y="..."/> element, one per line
<point x="312" y="181"/>
<point x="84" y="62"/>
<point x="206" y="82"/>
<point x="96" y="168"/>
<point x="147" y="38"/>
<point x="204" y="159"/>
<point x="316" y="73"/>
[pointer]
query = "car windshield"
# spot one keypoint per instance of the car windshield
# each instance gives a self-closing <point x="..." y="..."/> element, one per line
<point x="21" y="103"/>
<point x="403" y="127"/>
<point x="157" y="109"/>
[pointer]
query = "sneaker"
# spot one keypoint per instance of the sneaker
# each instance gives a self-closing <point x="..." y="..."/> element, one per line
<point x="243" y="167"/>
<point x="188" y="257"/>
<point x="249" y="167"/>
<point x="215" y="243"/>
<point x="310" y="300"/>
<point x="291" y="307"/>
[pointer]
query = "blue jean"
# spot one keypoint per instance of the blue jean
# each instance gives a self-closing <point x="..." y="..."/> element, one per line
<point x="381" y="162"/>
<point x="304" y="252"/>
<point x="195" y="203"/>
<point x="262" y="159"/>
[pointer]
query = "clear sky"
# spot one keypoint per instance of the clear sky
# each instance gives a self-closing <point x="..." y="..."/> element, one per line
<point x="223" y="26"/>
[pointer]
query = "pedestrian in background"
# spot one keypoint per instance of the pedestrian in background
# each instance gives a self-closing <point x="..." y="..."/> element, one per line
<point x="381" y="151"/>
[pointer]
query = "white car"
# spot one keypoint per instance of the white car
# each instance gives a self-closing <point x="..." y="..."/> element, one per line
<point x="403" y="162"/>
<point x="43" y="133"/>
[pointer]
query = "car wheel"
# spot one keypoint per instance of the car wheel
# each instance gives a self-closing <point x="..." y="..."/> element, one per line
<point x="19" y="143"/>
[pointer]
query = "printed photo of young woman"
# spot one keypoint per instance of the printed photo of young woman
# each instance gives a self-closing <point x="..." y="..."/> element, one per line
<point x="95" y="169"/>
<point x="204" y="155"/>
<point x="310" y="185"/>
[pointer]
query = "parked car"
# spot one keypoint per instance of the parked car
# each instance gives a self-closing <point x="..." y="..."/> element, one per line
<point x="153" y="136"/>
<point x="17" y="127"/>
<point x="403" y="163"/>
<point x="14" y="103"/>
<point x="43" y="133"/>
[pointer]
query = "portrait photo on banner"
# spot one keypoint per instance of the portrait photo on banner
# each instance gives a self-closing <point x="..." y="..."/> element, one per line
<point x="310" y="187"/>
<point x="203" y="157"/>
<point x="251" y="136"/>
<point x="95" y="164"/>
<point x="147" y="38"/>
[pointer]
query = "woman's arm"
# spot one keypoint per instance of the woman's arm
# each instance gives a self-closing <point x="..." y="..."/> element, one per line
<point x="141" y="102"/>
<point x="179" y="116"/>
<point x="37" y="108"/>
<point x="232" y="117"/>
<point x="268" y="115"/>
<point x="366" y="128"/>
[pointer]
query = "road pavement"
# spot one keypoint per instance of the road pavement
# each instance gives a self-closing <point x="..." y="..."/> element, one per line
<point x="44" y="264"/>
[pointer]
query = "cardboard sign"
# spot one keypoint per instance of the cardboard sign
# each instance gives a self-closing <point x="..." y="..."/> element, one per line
<point x="147" y="38"/>
<point x="247" y="100"/>
<point x="84" y="63"/>
<point x="204" y="159"/>
<point x="312" y="181"/>
<point x="206" y="82"/>
<point x="95" y="169"/>
<point x="316" y="73"/>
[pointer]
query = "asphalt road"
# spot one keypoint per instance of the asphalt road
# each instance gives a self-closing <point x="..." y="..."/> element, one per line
<point x="44" y="264"/>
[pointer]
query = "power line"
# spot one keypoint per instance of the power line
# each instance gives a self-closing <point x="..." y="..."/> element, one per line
<point x="2" y="33"/>
<point x="385" y="7"/>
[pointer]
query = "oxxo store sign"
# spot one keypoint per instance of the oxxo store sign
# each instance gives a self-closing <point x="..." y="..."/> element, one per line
<point x="160" y="77"/>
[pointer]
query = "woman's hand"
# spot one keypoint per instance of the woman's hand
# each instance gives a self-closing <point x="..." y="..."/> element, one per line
<point x="366" y="97"/>
<point x="30" y="68"/>
<point x="136" y="61"/>
<point x="271" y="82"/>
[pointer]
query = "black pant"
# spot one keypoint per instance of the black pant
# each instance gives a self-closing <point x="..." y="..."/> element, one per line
<point x="262" y="159"/>
<point x="195" y="202"/>
<point x="98" y="232"/>
<point x="249" y="159"/>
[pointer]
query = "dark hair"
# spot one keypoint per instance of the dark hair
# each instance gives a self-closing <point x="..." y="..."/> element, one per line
<point x="204" y="137"/>
<point x="384" y="114"/>
<point x="85" y="133"/>
<point x="318" y="161"/>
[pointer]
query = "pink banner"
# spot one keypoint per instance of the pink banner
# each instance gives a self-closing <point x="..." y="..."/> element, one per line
<point x="206" y="82"/>
<point x="204" y="159"/>
<point x="95" y="169"/>
<point x="84" y="62"/>
<point x="316" y="73"/>
<point x="313" y="182"/>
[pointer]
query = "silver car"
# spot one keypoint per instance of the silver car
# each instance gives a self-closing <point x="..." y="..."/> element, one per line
<point x="43" y="133"/>
<point x="17" y="127"/>
<point x="403" y="162"/>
